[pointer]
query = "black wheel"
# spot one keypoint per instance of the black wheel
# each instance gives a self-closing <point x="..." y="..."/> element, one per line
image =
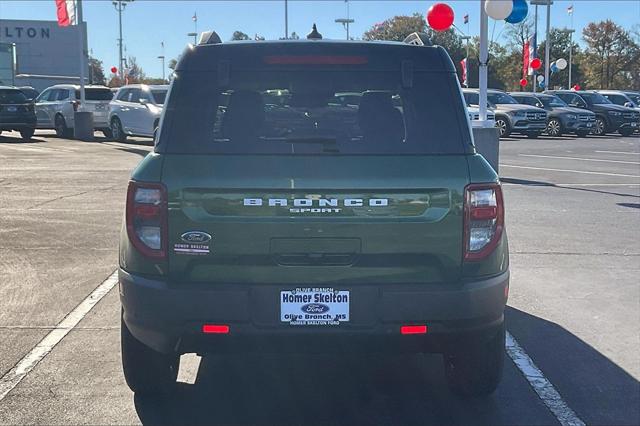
<point x="554" y="128"/>
<point x="62" y="131"/>
<point x="582" y="134"/>
<point x="626" y="131"/>
<point x="503" y="126"/>
<point x="27" y="134"/>
<point x="107" y="133"/>
<point x="475" y="369"/>
<point x="600" y="127"/>
<point x="146" y="371"/>
<point x="117" y="133"/>
<point x="534" y="135"/>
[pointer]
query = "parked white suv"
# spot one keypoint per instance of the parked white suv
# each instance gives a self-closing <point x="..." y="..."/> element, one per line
<point x="135" y="110"/>
<point x="55" y="107"/>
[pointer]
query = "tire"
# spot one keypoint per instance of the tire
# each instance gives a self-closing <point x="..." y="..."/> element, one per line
<point x="107" y="133"/>
<point x="146" y="371"/>
<point x="554" y="128"/>
<point x="62" y="131"/>
<point x="117" y="134"/>
<point x="475" y="369"/>
<point x="503" y="126"/>
<point x="600" y="127"/>
<point x="627" y="131"/>
<point x="534" y="135"/>
<point x="27" y="134"/>
<point x="582" y="134"/>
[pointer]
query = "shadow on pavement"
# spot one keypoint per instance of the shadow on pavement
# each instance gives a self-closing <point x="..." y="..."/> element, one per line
<point x="527" y="182"/>
<point x="404" y="390"/>
<point x="598" y="390"/>
<point x="630" y="205"/>
<point x="141" y="152"/>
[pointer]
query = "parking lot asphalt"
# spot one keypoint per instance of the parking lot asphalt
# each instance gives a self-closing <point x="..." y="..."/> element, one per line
<point x="573" y="218"/>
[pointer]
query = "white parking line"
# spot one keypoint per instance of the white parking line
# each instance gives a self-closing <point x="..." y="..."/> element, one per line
<point x="568" y="171"/>
<point x="543" y="387"/>
<point x="14" y="376"/>
<point x="580" y="159"/>
<point x="618" y="152"/>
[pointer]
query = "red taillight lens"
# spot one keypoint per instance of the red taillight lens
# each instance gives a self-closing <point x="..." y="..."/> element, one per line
<point x="147" y="218"/>
<point x="215" y="329"/>
<point x="413" y="329"/>
<point x="483" y="220"/>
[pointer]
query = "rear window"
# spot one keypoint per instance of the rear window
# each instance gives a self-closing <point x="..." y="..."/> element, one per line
<point x="96" y="94"/>
<point x="11" y="96"/>
<point x="159" y="96"/>
<point x="314" y="110"/>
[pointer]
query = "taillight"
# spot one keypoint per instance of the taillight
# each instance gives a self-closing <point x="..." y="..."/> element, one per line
<point x="483" y="220"/>
<point x="147" y="218"/>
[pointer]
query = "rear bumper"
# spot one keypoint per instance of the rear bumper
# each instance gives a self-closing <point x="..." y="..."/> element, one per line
<point x="168" y="317"/>
<point x="19" y="122"/>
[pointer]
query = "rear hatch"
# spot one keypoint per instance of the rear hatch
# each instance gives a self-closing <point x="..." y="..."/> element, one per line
<point x="14" y="107"/>
<point x="97" y="101"/>
<point x="271" y="179"/>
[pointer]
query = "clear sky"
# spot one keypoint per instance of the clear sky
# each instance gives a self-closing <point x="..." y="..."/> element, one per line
<point x="149" y="22"/>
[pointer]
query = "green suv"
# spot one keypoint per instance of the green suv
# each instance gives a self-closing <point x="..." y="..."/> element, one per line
<point x="272" y="218"/>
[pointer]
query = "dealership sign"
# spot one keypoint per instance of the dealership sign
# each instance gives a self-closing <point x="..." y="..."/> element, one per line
<point x="19" y="32"/>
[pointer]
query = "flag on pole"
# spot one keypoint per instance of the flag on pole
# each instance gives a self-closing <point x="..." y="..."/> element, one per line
<point x="66" y="10"/>
<point x="529" y="53"/>
<point x="463" y="65"/>
<point x="570" y="10"/>
<point x="466" y="18"/>
<point x="194" y="18"/>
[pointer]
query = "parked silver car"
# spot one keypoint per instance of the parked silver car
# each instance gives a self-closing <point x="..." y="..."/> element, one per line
<point x="135" y="110"/>
<point x="55" y="107"/>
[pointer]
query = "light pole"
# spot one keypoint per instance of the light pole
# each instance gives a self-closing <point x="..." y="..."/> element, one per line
<point x="466" y="38"/>
<point x="286" y="20"/>
<point x="484" y="59"/>
<point x="120" y="5"/>
<point x="547" y="43"/>
<point x="346" y="21"/>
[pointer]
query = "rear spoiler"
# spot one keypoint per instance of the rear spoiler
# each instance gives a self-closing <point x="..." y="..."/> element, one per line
<point x="418" y="39"/>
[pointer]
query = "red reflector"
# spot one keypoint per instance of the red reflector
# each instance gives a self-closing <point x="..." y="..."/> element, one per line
<point x="413" y="329"/>
<point x="484" y="212"/>
<point x="215" y="329"/>
<point x="147" y="211"/>
<point x="315" y="60"/>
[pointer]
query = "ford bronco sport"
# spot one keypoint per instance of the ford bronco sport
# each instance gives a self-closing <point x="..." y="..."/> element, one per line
<point x="272" y="218"/>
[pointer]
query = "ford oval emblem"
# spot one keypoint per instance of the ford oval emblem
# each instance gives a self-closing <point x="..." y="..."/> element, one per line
<point x="196" y="237"/>
<point x="314" y="308"/>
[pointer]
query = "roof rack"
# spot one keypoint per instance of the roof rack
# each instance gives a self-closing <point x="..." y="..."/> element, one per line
<point x="418" y="39"/>
<point x="209" y="37"/>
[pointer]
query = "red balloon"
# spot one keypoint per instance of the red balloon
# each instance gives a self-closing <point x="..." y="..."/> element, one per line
<point x="576" y="87"/>
<point x="440" y="17"/>
<point x="536" y="63"/>
<point x="114" y="70"/>
<point x="523" y="82"/>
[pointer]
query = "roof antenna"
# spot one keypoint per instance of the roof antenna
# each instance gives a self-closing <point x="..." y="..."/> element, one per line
<point x="314" y="34"/>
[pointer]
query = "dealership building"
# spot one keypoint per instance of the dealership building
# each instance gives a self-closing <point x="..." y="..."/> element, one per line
<point x="39" y="53"/>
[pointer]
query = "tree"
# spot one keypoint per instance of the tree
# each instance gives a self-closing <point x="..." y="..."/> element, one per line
<point x="134" y="72"/>
<point x="96" y="72"/>
<point x="396" y="28"/>
<point x="239" y="35"/>
<point x="294" y="36"/>
<point x="611" y="55"/>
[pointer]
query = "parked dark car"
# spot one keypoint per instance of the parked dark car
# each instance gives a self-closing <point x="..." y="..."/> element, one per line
<point x="29" y="92"/>
<point x="561" y="117"/>
<point x="16" y="112"/>
<point x="511" y="117"/>
<point x="610" y="118"/>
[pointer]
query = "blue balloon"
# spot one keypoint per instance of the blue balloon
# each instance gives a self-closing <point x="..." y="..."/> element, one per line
<point x="519" y="12"/>
<point x="554" y="68"/>
<point x="541" y="85"/>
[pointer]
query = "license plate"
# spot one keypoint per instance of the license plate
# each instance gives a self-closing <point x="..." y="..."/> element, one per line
<point x="314" y="306"/>
<point x="12" y="109"/>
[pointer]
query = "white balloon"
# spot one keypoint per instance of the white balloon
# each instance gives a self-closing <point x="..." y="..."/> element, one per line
<point x="498" y="9"/>
<point x="561" y="63"/>
<point x="540" y="78"/>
